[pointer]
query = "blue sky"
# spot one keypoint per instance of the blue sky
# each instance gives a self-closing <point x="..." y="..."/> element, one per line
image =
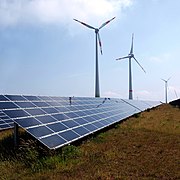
<point x="44" y="52"/>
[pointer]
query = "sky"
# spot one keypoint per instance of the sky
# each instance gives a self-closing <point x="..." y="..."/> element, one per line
<point x="43" y="51"/>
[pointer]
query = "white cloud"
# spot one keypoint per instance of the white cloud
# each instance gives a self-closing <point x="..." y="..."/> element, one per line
<point x="14" y="12"/>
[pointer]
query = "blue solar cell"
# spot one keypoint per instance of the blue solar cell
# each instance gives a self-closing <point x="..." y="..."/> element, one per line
<point x="39" y="131"/>
<point x="15" y="98"/>
<point x="72" y="108"/>
<point x="25" y="104"/>
<point x="69" y="135"/>
<point x="94" y="111"/>
<point x="95" y="116"/>
<point x="81" y="121"/>
<point x="44" y="98"/>
<point x="7" y="105"/>
<point x="36" y="111"/>
<point x="3" y="98"/>
<point x="105" y="121"/>
<point x="88" y="112"/>
<point x="57" y="98"/>
<point x="115" y="118"/>
<point x="4" y="126"/>
<point x="4" y="117"/>
<point x="8" y="121"/>
<point x="1" y="121"/>
<point x="46" y="119"/>
<point x="81" y="131"/>
<point x="98" y="124"/>
<point x="90" y="127"/>
<point x="50" y="110"/>
<point x="62" y="109"/>
<point x="89" y="118"/>
<point x="81" y="107"/>
<point x="16" y="113"/>
<point x="41" y="104"/>
<point x="32" y="98"/>
<point x="70" y="123"/>
<point x="60" y="117"/>
<point x="71" y="115"/>
<point x="104" y="115"/>
<point x="53" y="141"/>
<point x="80" y="113"/>
<point x="54" y="103"/>
<point x="57" y="127"/>
<point x="26" y="122"/>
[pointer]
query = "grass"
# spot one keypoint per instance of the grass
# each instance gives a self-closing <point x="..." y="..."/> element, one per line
<point x="143" y="147"/>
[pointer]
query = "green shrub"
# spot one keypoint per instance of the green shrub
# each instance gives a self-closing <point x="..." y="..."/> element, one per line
<point x="70" y="152"/>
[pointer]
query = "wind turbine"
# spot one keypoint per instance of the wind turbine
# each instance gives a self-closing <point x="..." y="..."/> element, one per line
<point x="97" y="92"/>
<point x="166" y="81"/>
<point x="130" y="56"/>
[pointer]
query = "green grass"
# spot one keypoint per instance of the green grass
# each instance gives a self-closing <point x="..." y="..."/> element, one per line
<point x="143" y="147"/>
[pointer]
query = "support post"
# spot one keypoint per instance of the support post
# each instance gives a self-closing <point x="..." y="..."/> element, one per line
<point x="16" y="135"/>
<point x="130" y="80"/>
<point x="97" y="92"/>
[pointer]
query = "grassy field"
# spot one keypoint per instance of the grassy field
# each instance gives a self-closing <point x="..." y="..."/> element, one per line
<point x="145" y="147"/>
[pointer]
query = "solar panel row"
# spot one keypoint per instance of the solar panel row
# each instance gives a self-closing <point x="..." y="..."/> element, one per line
<point x="56" y="121"/>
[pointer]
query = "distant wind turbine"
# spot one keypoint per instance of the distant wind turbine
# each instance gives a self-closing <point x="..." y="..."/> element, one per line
<point x="130" y="56"/>
<point x="97" y="91"/>
<point x="166" y="86"/>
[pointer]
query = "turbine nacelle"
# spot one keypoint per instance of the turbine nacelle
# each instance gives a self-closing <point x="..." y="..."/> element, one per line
<point x="131" y="55"/>
<point x="96" y="30"/>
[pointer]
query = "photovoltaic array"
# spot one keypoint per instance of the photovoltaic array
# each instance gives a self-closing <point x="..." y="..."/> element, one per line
<point x="57" y="121"/>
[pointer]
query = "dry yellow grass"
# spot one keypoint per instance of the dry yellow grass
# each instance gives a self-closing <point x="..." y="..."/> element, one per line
<point x="164" y="118"/>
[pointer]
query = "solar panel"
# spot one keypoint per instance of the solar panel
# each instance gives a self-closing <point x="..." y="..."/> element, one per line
<point x="57" y="121"/>
<point x="5" y="120"/>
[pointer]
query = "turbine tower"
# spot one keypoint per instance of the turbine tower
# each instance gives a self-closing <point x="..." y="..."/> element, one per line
<point x="97" y="91"/>
<point x="130" y="56"/>
<point x="166" y="82"/>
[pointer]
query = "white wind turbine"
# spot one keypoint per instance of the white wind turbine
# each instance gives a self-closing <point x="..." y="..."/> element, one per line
<point x="166" y="86"/>
<point x="97" y="91"/>
<point x="130" y="56"/>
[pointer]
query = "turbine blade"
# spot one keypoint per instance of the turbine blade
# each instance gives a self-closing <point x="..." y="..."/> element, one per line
<point x="104" y="24"/>
<point x="163" y="80"/>
<point x="131" y="51"/>
<point x="169" y="78"/>
<point x="139" y="64"/>
<point x="84" y="24"/>
<point x="100" y="44"/>
<point x="122" y="57"/>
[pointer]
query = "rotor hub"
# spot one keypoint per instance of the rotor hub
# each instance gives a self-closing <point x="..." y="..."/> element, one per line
<point x="131" y="55"/>
<point x="96" y="30"/>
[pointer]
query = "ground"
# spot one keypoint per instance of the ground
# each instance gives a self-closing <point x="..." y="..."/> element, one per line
<point x="146" y="146"/>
